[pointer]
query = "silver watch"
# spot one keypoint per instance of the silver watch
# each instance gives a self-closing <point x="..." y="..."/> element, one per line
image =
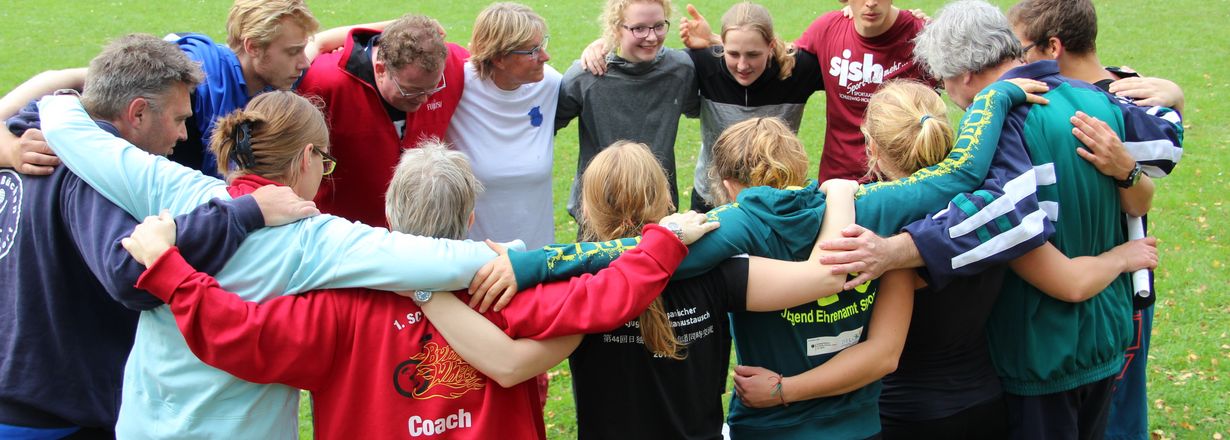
<point x="422" y="296"/>
<point x="674" y="227"/>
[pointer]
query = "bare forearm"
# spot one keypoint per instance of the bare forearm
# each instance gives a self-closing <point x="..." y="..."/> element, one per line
<point x="1071" y="280"/>
<point x="1138" y="200"/>
<point x="42" y="84"/>
<point x="903" y="253"/>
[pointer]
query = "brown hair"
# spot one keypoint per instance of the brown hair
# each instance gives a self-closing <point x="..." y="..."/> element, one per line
<point x="613" y="17"/>
<point x="757" y="152"/>
<point x="261" y="20"/>
<point x="624" y="188"/>
<point x="909" y="125"/>
<point x="136" y="66"/>
<point x="500" y="28"/>
<point x="281" y="123"/>
<point x="1073" y="22"/>
<point x="750" y="16"/>
<point x="412" y="39"/>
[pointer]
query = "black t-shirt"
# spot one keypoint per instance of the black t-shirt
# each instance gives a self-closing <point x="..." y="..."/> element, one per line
<point x="623" y="391"/>
<point x="946" y="364"/>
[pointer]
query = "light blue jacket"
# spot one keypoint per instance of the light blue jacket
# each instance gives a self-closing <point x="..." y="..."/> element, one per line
<point x="168" y="392"/>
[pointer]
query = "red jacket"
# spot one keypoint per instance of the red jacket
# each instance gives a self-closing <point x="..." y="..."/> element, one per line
<point x="345" y="345"/>
<point x="362" y="136"/>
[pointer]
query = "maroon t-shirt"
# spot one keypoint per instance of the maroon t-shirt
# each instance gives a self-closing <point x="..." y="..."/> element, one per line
<point x="853" y="68"/>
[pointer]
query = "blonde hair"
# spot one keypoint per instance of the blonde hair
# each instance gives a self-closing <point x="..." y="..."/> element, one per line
<point x="624" y="188"/>
<point x="748" y="16"/>
<point x="613" y="17"/>
<point x="261" y="21"/>
<point x="412" y="39"/>
<point x="909" y="125"/>
<point x="280" y="123"/>
<point x="500" y="28"/>
<point x="757" y="152"/>
<point x="432" y="192"/>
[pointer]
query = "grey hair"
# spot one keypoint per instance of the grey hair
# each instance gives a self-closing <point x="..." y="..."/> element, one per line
<point x="966" y="36"/>
<point x="135" y="66"/>
<point x="432" y="192"/>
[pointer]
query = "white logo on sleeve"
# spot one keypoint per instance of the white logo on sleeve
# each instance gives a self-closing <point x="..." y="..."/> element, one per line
<point x="846" y="71"/>
<point x="10" y="209"/>
<point x="427" y="427"/>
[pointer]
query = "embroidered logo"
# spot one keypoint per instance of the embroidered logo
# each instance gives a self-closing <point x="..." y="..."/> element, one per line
<point x="10" y="209"/>
<point x="536" y="117"/>
<point x="436" y="371"/>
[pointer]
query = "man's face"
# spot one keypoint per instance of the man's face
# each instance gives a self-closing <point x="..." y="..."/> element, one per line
<point x="281" y="62"/>
<point x="1032" y="53"/>
<point x="871" y="14"/>
<point x="162" y="124"/>
<point x="408" y="87"/>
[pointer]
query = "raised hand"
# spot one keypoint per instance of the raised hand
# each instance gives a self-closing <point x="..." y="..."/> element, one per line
<point x="494" y="280"/>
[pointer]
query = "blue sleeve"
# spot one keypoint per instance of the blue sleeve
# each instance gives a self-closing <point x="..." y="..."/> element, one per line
<point x="25" y="119"/>
<point x="97" y="226"/>
<point x="996" y="223"/>
<point x="1153" y="136"/>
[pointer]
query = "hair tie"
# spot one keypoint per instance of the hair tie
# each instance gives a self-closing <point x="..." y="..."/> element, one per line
<point x="244" y="156"/>
<point x="923" y="119"/>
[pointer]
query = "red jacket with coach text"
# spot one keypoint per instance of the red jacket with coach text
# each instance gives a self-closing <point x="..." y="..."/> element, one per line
<point x="362" y="136"/>
<point x="377" y="368"/>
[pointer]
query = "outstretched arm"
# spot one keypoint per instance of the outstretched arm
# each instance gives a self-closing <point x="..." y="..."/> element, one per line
<point x="852" y="368"/>
<point x="330" y="39"/>
<point x="506" y="360"/>
<point x="289" y="340"/>
<point x="1078" y="279"/>
<point x="28" y="153"/>
<point x="775" y="284"/>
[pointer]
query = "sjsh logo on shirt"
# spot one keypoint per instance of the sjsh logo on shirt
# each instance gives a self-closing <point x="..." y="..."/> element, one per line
<point x="847" y="71"/>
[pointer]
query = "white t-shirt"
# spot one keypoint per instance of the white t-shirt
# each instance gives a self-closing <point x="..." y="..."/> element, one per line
<point x="509" y="136"/>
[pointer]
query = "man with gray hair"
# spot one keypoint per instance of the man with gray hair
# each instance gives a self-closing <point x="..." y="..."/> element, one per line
<point x="383" y="92"/>
<point x="1056" y="356"/>
<point x="68" y="308"/>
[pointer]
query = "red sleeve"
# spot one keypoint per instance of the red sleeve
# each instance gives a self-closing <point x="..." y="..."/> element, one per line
<point x="599" y="302"/>
<point x="290" y="340"/>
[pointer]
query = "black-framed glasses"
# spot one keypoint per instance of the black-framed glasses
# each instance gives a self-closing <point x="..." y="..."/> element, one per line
<point x="642" y="32"/>
<point x="1025" y="50"/>
<point x="329" y="162"/>
<point x="413" y="95"/>
<point x="535" y="53"/>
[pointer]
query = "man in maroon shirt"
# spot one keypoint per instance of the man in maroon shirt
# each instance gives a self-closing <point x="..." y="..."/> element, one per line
<point x="859" y="53"/>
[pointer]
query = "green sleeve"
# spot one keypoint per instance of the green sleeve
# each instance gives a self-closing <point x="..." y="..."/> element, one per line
<point x="562" y="261"/>
<point x="886" y="207"/>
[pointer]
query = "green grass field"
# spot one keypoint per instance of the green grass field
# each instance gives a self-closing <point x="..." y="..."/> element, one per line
<point x="1183" y="40"/>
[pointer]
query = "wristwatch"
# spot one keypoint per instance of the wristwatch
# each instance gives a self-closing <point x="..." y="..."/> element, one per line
<point x="674" y="227"/>
<point x="1132" y="177"/>
<point x="422" y="296"/>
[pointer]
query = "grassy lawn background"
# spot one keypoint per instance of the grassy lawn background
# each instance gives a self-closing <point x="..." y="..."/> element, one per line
<point x="1184" y="40"/>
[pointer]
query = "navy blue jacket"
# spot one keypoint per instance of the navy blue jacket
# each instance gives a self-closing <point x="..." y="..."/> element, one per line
<point x="68" y="308"/>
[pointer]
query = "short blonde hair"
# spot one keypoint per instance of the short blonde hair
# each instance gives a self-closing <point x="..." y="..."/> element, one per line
<point x="500" y="28"/>
<point x="757" y="152"/>
<point x="280" y="124"/>
<point x="432" y="192"/>
<point x="909" y="125"/>
<point x="750" y="16"/>
<point x="613" y="18"/>
<point x="413" y="39"/>
<point x="624" y="188"/>
<point x="261" y="21"/>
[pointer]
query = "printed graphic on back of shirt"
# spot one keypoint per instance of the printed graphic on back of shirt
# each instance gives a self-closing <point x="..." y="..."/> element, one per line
<point x="10" y="209"/>
<point x="833" y="311"/>
<point x="436" y="371"/>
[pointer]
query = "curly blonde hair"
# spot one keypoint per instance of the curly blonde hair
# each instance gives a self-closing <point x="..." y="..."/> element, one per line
<point x="757" y="152"/>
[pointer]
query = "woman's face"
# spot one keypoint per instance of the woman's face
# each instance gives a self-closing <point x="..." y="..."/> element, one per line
<point x="747" y="55"/>
<point x="642" y="19"/>
<point x="310" y="175"/>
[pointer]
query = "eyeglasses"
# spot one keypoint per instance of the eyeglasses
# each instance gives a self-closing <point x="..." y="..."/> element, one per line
<point x="329" y="162"/>
<point x="536" y="52"/>
<point x="642" y="32"/>
<point x="1025" y="50"/>
<point x="442" y="84"/>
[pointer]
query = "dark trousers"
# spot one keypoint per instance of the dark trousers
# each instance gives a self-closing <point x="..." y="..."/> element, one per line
<point x="699" y="204"/>
<point x="1076" y="414"/>
<point x="983" y="421"/>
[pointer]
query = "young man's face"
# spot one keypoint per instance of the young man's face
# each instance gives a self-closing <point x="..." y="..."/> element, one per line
<point x="871" y="14"/>
<point x="1032" y="51"/>
<point x="161" y="125"/>
<point x="281" y="62"/>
